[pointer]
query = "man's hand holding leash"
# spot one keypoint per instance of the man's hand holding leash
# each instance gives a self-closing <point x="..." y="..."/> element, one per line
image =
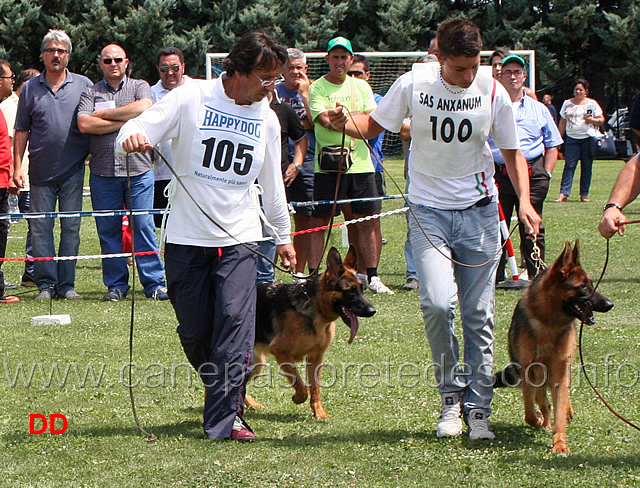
<point x="136" y="143"/>
<point x="625" y="191"/>
<point x="612" y="221"/>
<point x="287" y="254"/>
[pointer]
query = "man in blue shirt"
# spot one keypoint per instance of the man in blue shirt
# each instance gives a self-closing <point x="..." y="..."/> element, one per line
<point x="539" y="141"/>
<point x="47" y="120"/>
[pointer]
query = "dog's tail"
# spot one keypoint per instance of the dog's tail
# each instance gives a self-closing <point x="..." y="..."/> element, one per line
<point x="509" y="377"/>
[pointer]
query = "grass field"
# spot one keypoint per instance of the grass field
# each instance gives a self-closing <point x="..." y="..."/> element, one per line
<point x="378" y="389"/>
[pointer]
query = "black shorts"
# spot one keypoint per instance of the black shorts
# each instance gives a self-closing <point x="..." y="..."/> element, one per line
<point x="301" y="190"/>
<point x="352" y="186"/>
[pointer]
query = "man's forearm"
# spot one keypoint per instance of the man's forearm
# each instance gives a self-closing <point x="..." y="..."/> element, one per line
<point x="124" y="113"/>
<point x="91" y="124"/>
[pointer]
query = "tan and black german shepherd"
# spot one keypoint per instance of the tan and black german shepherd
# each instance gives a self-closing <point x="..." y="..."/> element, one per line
<point x="294" y="321"/>
<point x="542" y="341"/>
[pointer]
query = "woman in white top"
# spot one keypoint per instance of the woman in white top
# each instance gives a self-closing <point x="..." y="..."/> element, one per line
<point x="581" y="117"/>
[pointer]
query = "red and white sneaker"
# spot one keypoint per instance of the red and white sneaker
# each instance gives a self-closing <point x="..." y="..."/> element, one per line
<point x="241" y="432"/>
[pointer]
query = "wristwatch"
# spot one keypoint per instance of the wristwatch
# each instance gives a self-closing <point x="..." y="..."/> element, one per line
<point x="298" y="166"/>
<point x="610" y="205"/>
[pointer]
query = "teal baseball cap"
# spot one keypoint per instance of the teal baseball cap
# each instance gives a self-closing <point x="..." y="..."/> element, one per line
<point x="340" y="42"/>
<point x="513" y="58"/>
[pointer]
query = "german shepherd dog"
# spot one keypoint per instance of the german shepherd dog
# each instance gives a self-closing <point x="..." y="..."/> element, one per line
<point x="298" y="320"/>
<point x="542" y="341"/>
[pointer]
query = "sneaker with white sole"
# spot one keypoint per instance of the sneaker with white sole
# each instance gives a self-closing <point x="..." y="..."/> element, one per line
<point x="478" y="421"/>
<point x="377" y="286"/>
<point x="241" y="431"/>
<point x="299" y="278"/>
<point x="450" y="422"/>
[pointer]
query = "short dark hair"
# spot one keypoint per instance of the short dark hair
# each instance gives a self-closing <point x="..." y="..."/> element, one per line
<point x="3" y="63"/>
<point x="254" y="50"/>
<point x="359" y="58"/>
<point x="26" y="75"/>
<point x="168" y="51"/>
<point x="459" y="37"/>
<point x="499" y="52"/>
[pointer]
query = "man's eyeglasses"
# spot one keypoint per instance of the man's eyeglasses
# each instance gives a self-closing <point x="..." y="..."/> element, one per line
<point x="13" y="77"/>
<point x="109" y="60"/>
<point x="53" y="50"/>
<point x="265" y="83"/>
<point x="356" y="73"/>
<point x="174" y="67"/>
<point x="512" y="72"/>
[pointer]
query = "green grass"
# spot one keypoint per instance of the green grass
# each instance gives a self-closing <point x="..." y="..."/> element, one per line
<point x="384" y="405"/>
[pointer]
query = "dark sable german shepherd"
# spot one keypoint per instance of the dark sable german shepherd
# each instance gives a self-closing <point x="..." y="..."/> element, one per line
<point x="542" y="341"/>
<point x="298" y="320"/>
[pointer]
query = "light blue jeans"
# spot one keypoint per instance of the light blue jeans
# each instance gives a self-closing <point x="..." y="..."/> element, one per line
<point x="59" y="276"/>
<point x="471" y="237"/>
<point x="112" y="193"/>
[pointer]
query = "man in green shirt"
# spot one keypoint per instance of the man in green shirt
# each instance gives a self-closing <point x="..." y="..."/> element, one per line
<point x="358" y="180"/>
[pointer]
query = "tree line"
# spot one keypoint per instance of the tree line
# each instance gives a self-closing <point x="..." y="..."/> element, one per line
<point x="572" y="38"/>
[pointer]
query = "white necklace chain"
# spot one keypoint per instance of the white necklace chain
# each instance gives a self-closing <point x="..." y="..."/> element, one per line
<point x="447" y="87"/>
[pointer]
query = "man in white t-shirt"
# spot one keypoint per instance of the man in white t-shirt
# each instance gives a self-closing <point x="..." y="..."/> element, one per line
<point x="224" y="136"/>
<point x="455" y="106"/>
<point x="171" y="70"/>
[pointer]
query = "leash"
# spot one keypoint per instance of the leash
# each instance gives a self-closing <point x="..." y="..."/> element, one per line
<point x="584" y="371"/>
<point x="212" y="220"/>
<point x="408" y="205"/>
<point x="148" y="435"/>
<point x="536" y="257"/>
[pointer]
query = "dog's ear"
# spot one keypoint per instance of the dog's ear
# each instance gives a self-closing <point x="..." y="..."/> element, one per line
<point x="564" y="263"/>
<point x="334" y="262"/>
<point x="351" y="259"/>
<point x="576" y="253"/>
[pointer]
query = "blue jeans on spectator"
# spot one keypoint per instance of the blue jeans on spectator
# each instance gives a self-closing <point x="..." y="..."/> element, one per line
<point x="58" y="276"/>
<point x="266" y="272"/>
<point x="469" y="236"/>
<point x="24" y="200"/>
<point x="574" y="150"/>
<point x="111" y="193"/>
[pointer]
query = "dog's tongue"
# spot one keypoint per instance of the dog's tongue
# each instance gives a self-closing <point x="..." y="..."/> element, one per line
<point x="354" y="324"/>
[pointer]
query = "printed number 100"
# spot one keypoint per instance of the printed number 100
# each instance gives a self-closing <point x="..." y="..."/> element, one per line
<point x="448" y="129"/>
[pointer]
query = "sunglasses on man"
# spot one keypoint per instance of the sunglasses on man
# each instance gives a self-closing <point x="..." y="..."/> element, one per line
<point x="174" y="67"/>
<point x="109" y="60"/>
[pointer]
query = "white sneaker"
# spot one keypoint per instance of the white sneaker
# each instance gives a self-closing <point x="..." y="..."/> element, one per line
<point x="450" y="423"/>
<point x="363" y="279"/>
<point x="299" y="278"/>
<point x="479" y="425"/>
<point x="377" y="286"/>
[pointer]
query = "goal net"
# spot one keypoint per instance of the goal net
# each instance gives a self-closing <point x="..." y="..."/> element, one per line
<point x="386" y="67"/>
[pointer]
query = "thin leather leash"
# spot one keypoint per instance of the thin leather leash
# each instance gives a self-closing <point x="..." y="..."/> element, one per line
<point x="148" y="435"/>
<point x="584" y="370"/>
<point x="246" y="246"/>
<point x="408" y="204"/>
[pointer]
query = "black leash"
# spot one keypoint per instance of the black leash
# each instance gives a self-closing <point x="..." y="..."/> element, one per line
<point x="149" y="436"/>
<point x="410" y="208"/>
<point x="584" y="371"/>
<point x="255" y="251"/>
